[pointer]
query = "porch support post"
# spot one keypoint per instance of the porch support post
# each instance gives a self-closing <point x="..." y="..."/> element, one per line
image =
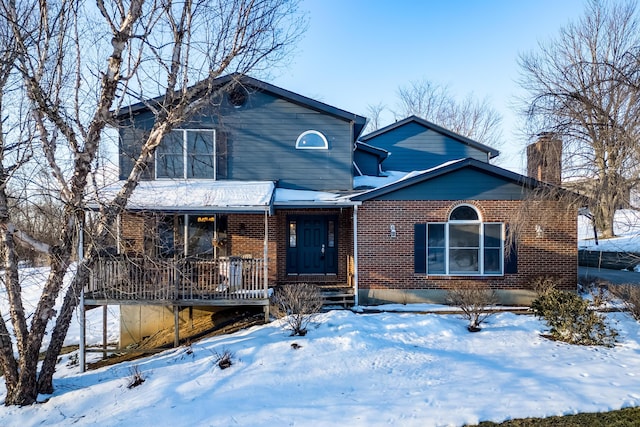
<point x="265" y="263"/>
<point x="176" y="324"/>
<point x="83" y="314"/>
<point x="355" y="254"/>
<point x="104" y="331"/>
<point x="83" y="327"/>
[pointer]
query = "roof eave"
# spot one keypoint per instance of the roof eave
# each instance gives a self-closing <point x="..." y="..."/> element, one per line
<point x="491" y="169"/>
<point x="429" y="125"/>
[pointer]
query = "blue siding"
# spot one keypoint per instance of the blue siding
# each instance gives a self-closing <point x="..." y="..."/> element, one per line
<point x="260" y="142"/>
<point x="414" y="147"/>
<point x="463" y="184"/>
<point x="367" y="162"/>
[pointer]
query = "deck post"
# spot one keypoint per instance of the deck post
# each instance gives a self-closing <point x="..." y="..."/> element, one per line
<point x="83" y="338"/>
<point x="83" y="314"/>
<point x="104" y="331"/>
<point x="176" y="321"/>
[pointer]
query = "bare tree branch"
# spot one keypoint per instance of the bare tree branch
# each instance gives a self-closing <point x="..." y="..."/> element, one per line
<point x="580" y="87"/>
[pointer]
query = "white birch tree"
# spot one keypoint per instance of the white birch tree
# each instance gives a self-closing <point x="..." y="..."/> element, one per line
<point x="78" y="63"/>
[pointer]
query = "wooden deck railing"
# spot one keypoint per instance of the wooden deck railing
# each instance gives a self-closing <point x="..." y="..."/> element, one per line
<point x="147" y="280"/>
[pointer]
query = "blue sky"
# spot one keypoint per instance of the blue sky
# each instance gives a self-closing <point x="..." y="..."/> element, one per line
<point x="358" y="52"/>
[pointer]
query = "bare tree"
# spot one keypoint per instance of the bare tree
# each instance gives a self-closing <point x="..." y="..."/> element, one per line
<point x="469" y="117"/>
<point x="375" y="116"/>
<point x="79" y="64"/>
<point x="581" y="87"/>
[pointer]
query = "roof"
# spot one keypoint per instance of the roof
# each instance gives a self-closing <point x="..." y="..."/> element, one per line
<point x="432" y="126"/>
<point x="196" y="196"/>
<point x="359" y="121"/>
<point x="421" y="176"/>
<point x="376" y="151"/>
<point x="286" y="198"/>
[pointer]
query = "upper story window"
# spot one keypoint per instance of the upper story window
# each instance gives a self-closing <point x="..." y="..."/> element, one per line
<point x="312" y="140"/>
<point x="464" y="245"/>
<point x="187" y="153"/>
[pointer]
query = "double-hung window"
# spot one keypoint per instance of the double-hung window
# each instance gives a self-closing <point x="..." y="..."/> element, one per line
<point x="464" y="245"/>
<point x="187" y="153"/>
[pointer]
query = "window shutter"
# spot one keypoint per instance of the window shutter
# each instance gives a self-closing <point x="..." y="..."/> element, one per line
<point x="420" y="248"/>
<point x="511" y="254"/>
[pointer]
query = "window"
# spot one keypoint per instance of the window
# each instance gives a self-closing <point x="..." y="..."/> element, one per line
<point x="187" y="153"/>
<point x="312" y="140"/>
<point x="462" y="246"/>
<point x="293" y="235"/>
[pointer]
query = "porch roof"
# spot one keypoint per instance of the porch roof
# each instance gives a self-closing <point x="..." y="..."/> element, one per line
<point x="196" y="196"/>
<point x="288" y="199"/>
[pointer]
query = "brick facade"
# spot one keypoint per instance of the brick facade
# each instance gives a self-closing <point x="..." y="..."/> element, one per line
<point x="387" y="263"/>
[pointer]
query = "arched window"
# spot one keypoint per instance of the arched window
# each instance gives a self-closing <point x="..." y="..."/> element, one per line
<point x="464" y="213"/>
<point x="464" y="245"/>
<point x="312" y="140"/>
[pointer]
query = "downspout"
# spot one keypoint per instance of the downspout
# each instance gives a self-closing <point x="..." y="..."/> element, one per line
<point x="265" y="266"/>
<point x="355" y="255"/>
<point x="265" y="253"/>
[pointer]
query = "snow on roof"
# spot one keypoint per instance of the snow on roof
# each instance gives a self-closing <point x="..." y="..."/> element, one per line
<point x="367" y="181"/>
<point x="378" y="182"/>
<point x="194" y="195"/>
<point x="288" y="197"/>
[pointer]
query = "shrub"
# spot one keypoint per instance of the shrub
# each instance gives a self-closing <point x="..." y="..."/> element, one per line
<point x="630" y="296"/>
<point x="297" y="304"/>
<point x="544" y="284"/>
<point x="474" y="300"/>
<point x="135" y="377"/>
<point x="570" y="320"/>
<point x="595" y="288"/>
<point x="224" y="359"/>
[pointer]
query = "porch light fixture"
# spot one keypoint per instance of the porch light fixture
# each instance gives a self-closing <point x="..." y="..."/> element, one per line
<point x="539" y="231"/>
<point x="392" y="229"/>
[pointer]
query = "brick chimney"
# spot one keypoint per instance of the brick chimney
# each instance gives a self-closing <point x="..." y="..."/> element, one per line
<point x="544" y="159"/>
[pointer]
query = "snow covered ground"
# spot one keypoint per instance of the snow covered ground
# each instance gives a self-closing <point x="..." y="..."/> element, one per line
<point x="366" y="369"/>
<point x="353" y="369"/>
<point x="626" y="227"/>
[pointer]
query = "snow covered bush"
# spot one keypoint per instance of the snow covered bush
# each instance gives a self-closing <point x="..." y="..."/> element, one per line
<point x="570" y="320"/>
<point x="296" y="303"/>
<point x="630" y="296"/>
<point x="474" y="300"/>
<point x="596" y="289"/>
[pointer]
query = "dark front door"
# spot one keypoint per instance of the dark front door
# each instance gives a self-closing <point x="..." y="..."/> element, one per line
<point x="312" y="244"/>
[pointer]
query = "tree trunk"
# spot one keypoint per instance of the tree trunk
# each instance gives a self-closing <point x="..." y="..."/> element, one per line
<point x="26" y="391"/>
<point x="71" y="300"/>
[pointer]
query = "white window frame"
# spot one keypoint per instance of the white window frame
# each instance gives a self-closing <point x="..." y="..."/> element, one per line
<point x="481" y="248"/>
<point x="312" y="132"/>
<point x="185" y="155"/>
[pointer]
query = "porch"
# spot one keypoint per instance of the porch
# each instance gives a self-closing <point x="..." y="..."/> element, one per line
<point x="125" y="280"/>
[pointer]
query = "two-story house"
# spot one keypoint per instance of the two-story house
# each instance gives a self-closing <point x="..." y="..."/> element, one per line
<point x="267" y="187"/>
